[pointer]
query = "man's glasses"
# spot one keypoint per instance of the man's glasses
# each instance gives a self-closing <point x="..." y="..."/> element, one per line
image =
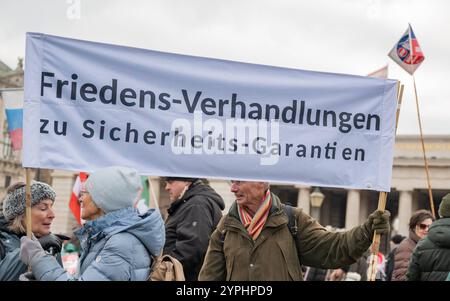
<point x="424" y="227"/>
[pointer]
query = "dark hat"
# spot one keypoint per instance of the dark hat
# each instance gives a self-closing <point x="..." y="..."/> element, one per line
<point x="396" y="239"/>
<point x="14" y="202"/>
<point x="444" y="207"/>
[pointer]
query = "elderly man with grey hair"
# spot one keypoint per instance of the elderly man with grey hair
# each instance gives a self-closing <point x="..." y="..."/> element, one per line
<point x="253" y="241"/>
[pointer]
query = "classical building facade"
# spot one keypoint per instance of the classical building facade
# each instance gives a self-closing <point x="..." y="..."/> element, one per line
<point x="10" y="161"/>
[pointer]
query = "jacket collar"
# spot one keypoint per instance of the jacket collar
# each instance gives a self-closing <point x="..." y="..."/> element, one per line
<point x="101" y="225"/>
<point x="413" y="236"/>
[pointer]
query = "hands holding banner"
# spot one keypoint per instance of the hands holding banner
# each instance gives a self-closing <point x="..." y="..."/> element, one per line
<point x="378" y="222"/>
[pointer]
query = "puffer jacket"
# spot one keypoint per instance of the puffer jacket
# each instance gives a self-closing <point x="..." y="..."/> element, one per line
<point x="402" y="256"/>
<point x="431" y="258"/>
<point x="116" y="246"/>
<point x="189" y="226"/>
<point x="10" y="265"/>
<point x="233" y="255"/>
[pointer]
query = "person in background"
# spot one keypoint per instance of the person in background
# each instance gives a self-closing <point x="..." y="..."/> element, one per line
<point x="193" y="215"/>
<point x="358" y="270"/>
<point x="253" y="241"/>
<point x="116" y="241"/>
<point x="431" y="259"/>
<point x="395" y="242"/>
<point x="419" y="224"/>
<point x="13" y="227"/>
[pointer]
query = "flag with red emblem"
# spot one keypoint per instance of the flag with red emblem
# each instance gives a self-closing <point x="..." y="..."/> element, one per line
<point x="407" y="52"/>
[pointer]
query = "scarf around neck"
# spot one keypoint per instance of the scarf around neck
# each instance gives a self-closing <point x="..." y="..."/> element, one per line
<point x="254" y="224"/>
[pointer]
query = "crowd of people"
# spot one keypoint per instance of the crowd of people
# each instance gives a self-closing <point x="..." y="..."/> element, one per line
<point x="259" y="238"/>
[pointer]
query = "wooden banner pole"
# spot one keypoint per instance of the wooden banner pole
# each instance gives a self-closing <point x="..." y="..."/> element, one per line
<point x="382" y="198"/>
<point x="427" y="171"/>
<point x="28" y="201"/>
<point x="153" y="200"/>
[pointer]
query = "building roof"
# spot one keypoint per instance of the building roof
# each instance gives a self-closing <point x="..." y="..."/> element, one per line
<point x="4" y="68"/>
<point x="11" y="78"/>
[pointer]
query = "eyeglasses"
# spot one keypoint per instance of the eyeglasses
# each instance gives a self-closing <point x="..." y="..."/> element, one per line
<point x="424" y="226"/>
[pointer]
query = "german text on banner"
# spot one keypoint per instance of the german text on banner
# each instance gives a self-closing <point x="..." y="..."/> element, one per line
<point x="90" y="105"/>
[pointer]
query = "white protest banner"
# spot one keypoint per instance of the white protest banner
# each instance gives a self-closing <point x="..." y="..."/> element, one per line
<point x="90" y="105"/>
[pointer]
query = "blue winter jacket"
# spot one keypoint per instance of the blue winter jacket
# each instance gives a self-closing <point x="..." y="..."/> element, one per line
<point x="116" y="246"/>
<point x="10" y="265"/>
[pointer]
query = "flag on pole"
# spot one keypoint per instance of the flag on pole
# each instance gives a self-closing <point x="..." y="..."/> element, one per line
<point x="13" y="101"/>
<point x="380" y="73"/>
<point x="74" y="205"/>
<point x="407" y="52"/>
<point x="142" y="204"/>
<point x="145" y="192"/>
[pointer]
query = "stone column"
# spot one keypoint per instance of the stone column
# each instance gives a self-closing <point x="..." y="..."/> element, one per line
<point x="404" y="211"/>
<point x="303" y="200"/>
<point x="352" y="210"/>
<point x="62" y="183"/>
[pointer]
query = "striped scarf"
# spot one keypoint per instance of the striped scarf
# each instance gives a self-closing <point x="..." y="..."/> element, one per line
<point x="255" y="224"/>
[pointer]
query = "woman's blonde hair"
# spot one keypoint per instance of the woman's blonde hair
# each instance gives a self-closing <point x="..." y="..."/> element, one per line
<point x="17" y="225"/>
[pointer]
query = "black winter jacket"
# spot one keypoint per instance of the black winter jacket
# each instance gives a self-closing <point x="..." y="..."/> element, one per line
<point x="431" y="258"/>
<point x="189" y="225"/>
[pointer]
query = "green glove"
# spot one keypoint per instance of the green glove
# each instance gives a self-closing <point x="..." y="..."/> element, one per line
<point x="379" y="221"/>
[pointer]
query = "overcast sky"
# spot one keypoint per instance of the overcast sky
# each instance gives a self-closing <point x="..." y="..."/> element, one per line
<point x="347" y="36"/>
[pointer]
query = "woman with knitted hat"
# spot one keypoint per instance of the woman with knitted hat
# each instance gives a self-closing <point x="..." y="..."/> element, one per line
<point x="12" y="226"/>
<point x="116" y="241"/>
<point x="431" y="258"/>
